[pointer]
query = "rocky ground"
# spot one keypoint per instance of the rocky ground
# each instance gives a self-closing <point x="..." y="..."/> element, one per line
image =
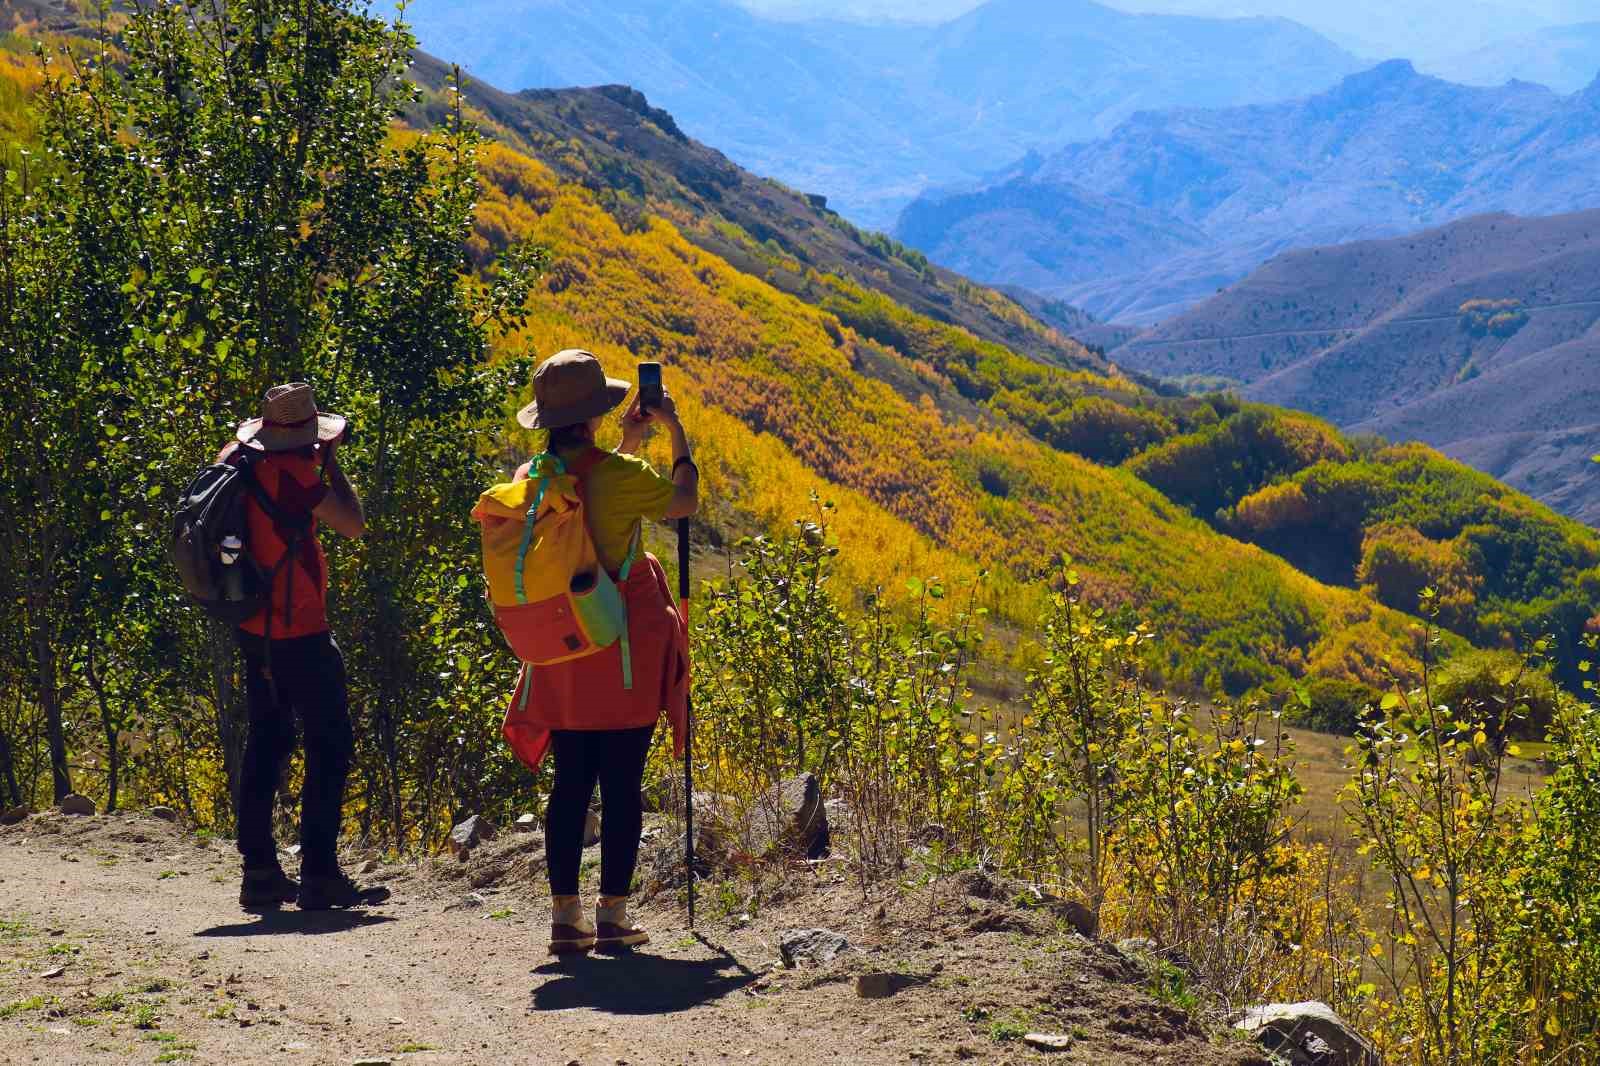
<point x="121" y="941"/>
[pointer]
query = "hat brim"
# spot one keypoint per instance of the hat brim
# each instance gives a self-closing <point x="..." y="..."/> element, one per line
<point x="283" y="439"/>
<point x="534" y="417"/>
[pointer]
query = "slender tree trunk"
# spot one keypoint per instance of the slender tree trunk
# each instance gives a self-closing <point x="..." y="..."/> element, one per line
<point x="8" y="772"/>
<point x="391" y="686"/>
<point x="232" y="718"/>
<point x="108" y="725"/>
<point x="44" y="661"/>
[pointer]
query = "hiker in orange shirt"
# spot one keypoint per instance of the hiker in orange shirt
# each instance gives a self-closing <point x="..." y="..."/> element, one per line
<point x="294" y="671"/>
<point x="598" y="727"/>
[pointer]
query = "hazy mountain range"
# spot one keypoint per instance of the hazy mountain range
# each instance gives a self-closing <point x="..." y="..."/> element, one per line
<point x="872" y="114"/>
<point x="1177" y="204"/>
<point x="1438" y="34"/>
<point x="1426" y="31"/>
<point x="1565" y="58"/>
<point x="1481" y="337"/>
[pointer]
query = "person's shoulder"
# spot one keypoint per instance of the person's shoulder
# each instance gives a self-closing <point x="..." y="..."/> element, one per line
<point x="630" y="469"/>
<point x="291" y="472"/>
<point x="626" y="462"/>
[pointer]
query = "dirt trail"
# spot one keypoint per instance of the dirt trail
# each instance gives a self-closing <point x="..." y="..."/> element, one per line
<point x="161" y="966"/>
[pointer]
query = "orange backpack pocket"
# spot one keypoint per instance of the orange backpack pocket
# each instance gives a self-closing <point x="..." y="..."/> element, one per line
<point x="545" y="632"/>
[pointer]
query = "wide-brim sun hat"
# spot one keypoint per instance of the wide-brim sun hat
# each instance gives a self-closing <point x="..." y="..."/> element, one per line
<point x="290" y="419"/>
<point x="569" y="388"/>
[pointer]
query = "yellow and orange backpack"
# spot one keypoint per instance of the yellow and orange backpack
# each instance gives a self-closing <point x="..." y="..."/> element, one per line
<point x="552" y="598"/>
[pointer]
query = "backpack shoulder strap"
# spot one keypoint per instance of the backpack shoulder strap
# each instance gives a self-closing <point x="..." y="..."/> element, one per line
<point x="247" y="470"/>
<point x="534" y="465"/>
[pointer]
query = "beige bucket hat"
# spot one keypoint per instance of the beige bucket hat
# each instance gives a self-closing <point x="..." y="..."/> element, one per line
<point x="290" y="419"/>
<point x="570" y="387"/>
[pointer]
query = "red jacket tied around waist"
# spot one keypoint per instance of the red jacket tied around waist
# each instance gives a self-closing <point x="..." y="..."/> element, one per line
<point x="588" y="693"/>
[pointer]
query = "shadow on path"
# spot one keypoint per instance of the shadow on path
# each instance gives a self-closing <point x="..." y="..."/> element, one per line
<point x="277" y="923"/>
<point x="637" y="983"/>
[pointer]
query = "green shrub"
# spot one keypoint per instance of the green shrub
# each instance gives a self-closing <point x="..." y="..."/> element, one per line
<point x="1497" y="682"/>
<point x="1332" y="705"/>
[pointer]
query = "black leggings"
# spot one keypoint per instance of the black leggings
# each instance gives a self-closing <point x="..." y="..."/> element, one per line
<point x="310" y="682"/>
<point x="615" y="758"/>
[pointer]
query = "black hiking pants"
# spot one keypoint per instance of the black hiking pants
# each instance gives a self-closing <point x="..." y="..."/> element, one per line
<point x="615" y="758"/>
<point x="310" y="690"/>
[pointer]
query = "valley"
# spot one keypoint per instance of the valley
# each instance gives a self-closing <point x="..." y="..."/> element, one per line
<point x="1400" y="337"/>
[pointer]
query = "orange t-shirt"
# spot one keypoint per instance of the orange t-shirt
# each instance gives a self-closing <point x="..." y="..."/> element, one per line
<point x="299" y="604"/>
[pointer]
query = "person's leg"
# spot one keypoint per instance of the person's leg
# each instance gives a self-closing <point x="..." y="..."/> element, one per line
<point x="623" y="753"/>
<point x="319" y="696"/>
<point x="576" y="771"/>
<point x="269" y="739"/>
<point x="315" y="678"/>
<point x="563" y="837"/>
<point x="623" y="756"/>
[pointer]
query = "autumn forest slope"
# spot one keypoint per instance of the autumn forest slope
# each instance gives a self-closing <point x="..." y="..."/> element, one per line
<point x="1016" y="461"/>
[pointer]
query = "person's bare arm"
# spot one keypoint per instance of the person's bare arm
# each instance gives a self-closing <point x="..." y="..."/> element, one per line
<point x="636" y="425"/>
<point x="340" y="509"/>
<point x="685" y="476"/>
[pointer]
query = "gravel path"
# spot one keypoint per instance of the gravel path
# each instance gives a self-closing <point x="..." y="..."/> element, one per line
<point x="121" y="941"/>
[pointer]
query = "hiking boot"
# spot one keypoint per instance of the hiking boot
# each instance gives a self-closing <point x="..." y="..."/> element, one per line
<point x="614" y="931"/>
<point x="321" y="892"/>
<point x="569" y="933"/>
<point x="266" y="887"/>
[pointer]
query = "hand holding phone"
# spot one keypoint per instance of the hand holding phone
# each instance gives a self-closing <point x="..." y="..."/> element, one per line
<point x="649" y="386"/>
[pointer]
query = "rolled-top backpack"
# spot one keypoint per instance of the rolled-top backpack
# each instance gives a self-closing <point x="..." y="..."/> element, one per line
<point x="552" y="598"/>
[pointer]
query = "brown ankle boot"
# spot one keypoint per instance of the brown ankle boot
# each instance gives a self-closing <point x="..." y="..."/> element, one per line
<point x="569" y="933"/>
<point x="613" y="929"/>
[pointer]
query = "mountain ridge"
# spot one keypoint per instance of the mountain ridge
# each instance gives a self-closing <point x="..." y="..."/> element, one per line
<point x="1386" y="151"/>
<point x="871" y="115"/>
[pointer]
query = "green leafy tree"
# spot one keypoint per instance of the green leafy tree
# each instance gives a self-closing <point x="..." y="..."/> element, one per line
<point x="239" y="204"/>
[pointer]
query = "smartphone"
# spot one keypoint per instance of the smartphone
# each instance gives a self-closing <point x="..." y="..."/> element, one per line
<point x="649" y="386"/>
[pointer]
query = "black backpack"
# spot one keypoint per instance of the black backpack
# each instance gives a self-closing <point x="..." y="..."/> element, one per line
<point x="211" y="509"/>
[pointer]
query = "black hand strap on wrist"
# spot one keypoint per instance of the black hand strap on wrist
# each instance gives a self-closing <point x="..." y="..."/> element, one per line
<point x="684" y="460"/>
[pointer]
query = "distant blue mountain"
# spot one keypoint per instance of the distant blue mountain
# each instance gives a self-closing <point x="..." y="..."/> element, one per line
<point x="1173" y="205"/>
<point x="873" y="114"/>
<point x="1565" y="58"/>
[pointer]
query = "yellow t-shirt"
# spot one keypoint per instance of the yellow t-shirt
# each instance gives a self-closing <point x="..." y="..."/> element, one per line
<point x="621" y="490"/>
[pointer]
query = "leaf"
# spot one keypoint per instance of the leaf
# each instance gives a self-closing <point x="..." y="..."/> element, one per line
<point x="1390" y="701"/>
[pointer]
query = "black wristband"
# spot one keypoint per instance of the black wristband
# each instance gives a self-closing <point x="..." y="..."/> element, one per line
<point x="684" y="460"/>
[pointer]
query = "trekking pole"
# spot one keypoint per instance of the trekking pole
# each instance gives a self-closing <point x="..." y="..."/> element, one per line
<point x="688" y="723"/>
